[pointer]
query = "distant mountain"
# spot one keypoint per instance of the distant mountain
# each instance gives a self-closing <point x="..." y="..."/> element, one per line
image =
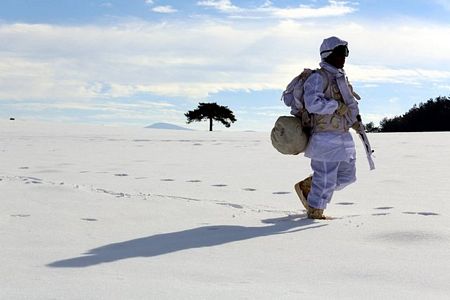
<point x="166" y="126"/>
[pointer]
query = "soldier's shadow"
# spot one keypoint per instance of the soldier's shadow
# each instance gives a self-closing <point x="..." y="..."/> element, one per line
<point x="206" y="236"/>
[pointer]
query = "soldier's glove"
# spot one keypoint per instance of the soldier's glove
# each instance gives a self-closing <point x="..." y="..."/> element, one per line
<point x="356" y="126"/>
<point x="342" y="109"/>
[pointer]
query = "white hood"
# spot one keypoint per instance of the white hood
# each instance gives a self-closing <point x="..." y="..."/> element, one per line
<point x="329" y="44"/>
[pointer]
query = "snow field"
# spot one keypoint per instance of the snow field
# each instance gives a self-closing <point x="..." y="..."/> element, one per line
<point x="99" y="212"/>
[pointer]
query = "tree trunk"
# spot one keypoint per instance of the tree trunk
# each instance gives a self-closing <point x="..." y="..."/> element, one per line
<point x="210" y="124"/>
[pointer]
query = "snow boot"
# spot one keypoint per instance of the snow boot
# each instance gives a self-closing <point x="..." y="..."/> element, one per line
<point x="315" y="213"/>
<point x="302" y="189"/>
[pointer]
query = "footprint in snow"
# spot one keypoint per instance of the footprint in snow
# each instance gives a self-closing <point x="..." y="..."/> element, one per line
<point x="381" y="214"/>
<point x="345" y="203"/>
<point x="167" y="179"/>
<point x="34" y="181"/>
<point x="281" y="193"/>
<point x="427" y="214"/>
<point x="89" y="219"/>
<point x="121" y="175"/>
<point x="219" y="185"/>
<point x="194" y="181"/>
<point x="231" y="205"/>
<point x="20" y="216"/>
<point x="23" y="168"/>
<point x="384" y="207"/>
<point x="30" y="178"/>
<point x="249" y="189"/>
<point x="420" y="213"/>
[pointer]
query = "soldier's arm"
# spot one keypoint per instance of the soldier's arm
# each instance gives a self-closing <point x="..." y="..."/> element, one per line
<point x="315" y="101"/>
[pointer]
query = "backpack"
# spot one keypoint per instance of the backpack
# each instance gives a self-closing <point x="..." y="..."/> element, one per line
<point x="290" y="134"/>
<point x="293" y="96"/>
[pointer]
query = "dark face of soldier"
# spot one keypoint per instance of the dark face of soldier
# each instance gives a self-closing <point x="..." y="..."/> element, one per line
<point x="337" y="57"/>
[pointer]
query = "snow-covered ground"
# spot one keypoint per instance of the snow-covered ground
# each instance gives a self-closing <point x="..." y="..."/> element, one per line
<point x="93" y="212"/>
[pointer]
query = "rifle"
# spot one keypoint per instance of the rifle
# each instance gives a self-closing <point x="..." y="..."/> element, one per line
<point x="361" y="130"/>
<point x="345" y="87"/>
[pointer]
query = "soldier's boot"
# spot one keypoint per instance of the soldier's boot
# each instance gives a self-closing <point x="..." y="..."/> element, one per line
<point x="302" y="189"/>
<point x="315" y="213"/>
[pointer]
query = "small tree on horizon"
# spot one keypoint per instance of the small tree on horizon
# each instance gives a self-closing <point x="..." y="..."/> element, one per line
<point x="211" y="111"/>
<point x="370" y="127"/>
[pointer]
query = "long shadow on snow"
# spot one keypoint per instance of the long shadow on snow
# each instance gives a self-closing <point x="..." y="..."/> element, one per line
<point x="206" y="236"/>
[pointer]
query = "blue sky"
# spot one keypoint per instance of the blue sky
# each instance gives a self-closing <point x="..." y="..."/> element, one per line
<point x="138" y="62"/>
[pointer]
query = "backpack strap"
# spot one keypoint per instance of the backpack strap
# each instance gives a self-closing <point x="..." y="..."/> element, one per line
<point x="326" y="81"/>
<point x="308" y="118"/>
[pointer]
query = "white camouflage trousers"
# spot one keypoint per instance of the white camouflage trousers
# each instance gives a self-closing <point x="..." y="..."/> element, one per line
<point x="327" y="178"/>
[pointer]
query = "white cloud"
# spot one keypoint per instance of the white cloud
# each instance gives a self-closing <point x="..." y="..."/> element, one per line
<point x="267" y="10"/>
<point x="221" y="5"/>
<point x="443" y="87"/>
<point x="195" y="60"/>
<point x="166" y="9"/>
<point x="268" y="3"/>
<point x="150" y="2"/>
<point x="334" y="8"/>
<point x="415" y="76"/>
<point x="443" y="3"/>
<point x="107" y="106"/>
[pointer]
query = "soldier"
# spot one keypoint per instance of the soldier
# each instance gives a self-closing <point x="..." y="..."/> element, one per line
<point x="331" y="147"/>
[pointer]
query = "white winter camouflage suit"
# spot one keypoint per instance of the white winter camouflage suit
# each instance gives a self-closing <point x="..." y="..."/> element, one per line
<point x="332" y="151"/>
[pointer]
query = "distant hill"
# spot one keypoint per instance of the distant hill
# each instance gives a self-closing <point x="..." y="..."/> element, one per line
<point x="166" y="126"/>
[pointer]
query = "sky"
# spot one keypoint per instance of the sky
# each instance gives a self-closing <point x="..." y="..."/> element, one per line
<point x="139" y="62"/>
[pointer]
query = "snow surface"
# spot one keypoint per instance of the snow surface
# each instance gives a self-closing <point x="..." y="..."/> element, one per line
<point x="93" y="212"/>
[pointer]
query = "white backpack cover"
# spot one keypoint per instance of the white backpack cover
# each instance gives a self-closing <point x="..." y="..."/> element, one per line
<point x="293" y="95"/>
<point x="288" y="136"/>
